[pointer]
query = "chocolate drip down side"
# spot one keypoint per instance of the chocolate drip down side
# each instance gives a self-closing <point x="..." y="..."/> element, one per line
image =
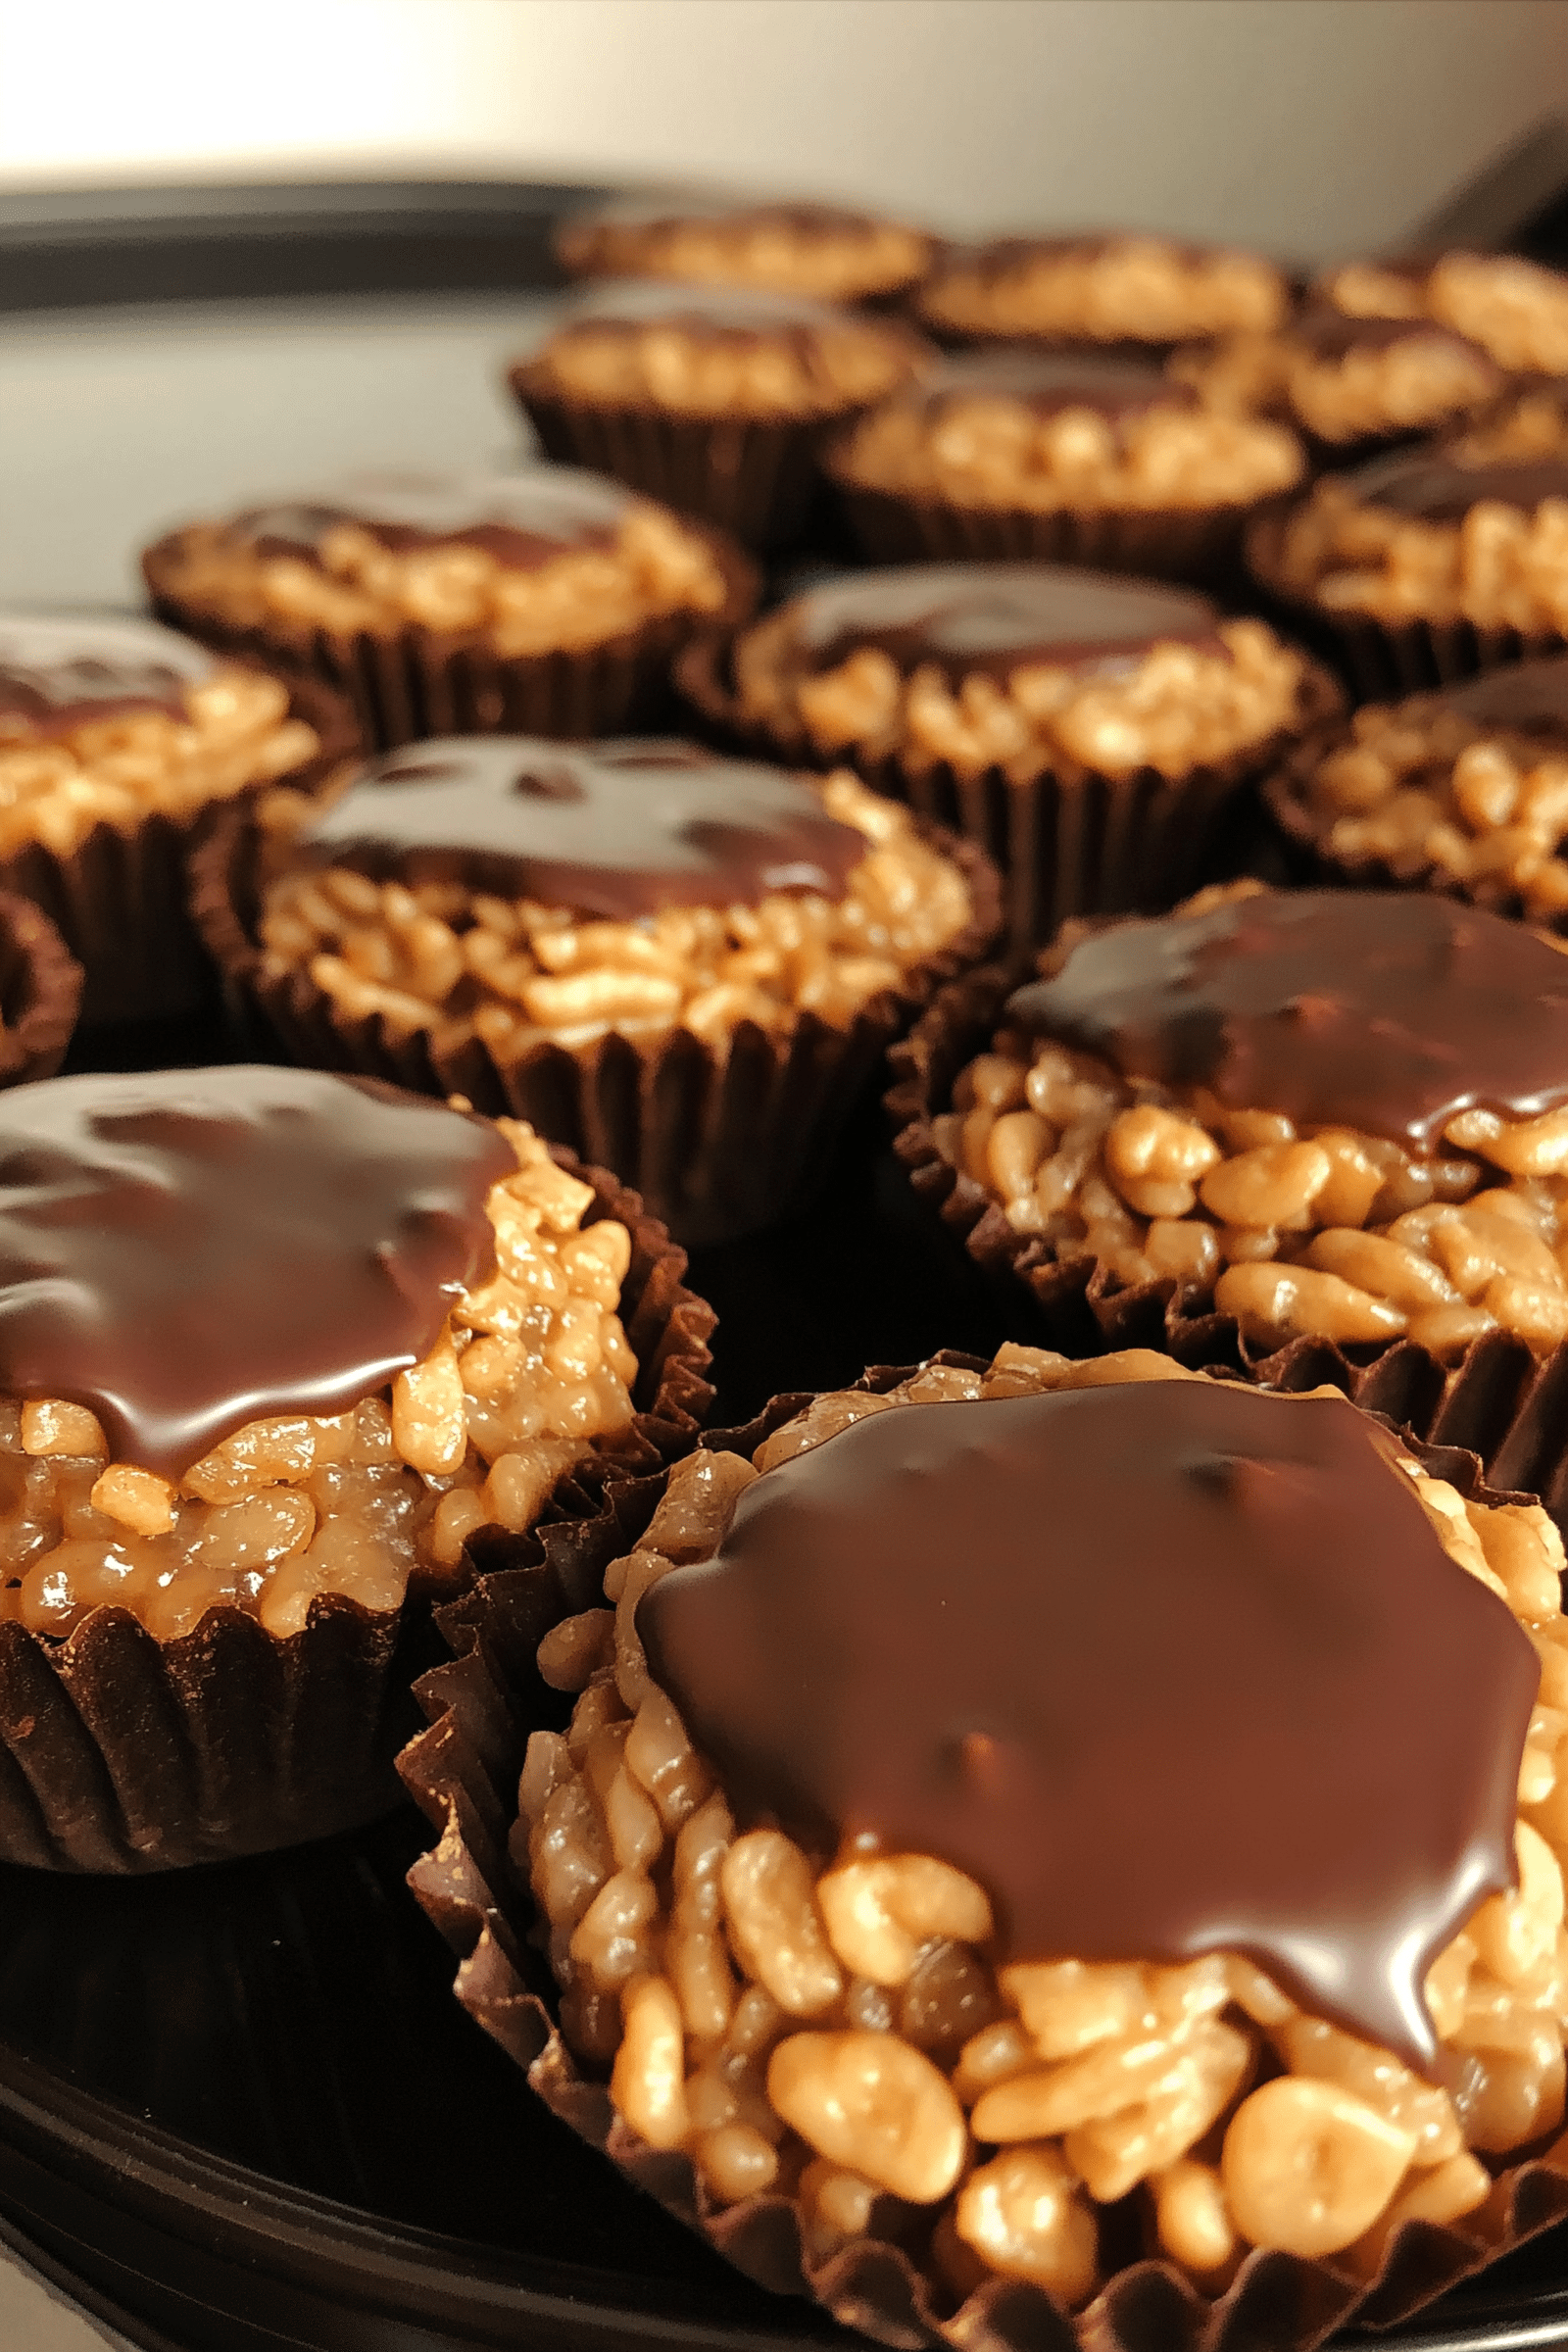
<point x="186" y="1252"/>
<point x="618" y="830"/>
<point x="1389" y="1013"/>
<point x="996" y="617"/>
<point x="1167" y="1669"/>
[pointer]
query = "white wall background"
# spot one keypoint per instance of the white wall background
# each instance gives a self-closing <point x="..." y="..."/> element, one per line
<point x="1308" y="125"/>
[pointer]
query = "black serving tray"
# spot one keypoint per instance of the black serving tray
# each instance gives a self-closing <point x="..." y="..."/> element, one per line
<point x="240" y="2109"/>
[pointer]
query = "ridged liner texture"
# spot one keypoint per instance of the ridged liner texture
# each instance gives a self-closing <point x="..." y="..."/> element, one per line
<point x="1199" y="544"/>
<point x="1502" y="1403"/>
<point x="717" y="1145"/>
<point x="757" y="477"/>
<point x="1384" y="661"/>
<point x="408" y="682"/>
<point x="122" y="1754"/>
<point x="1070" y="841"/>
<point x="40" y="992"/>
<point x="118" y="900"/>
<point x="464" y="1772"/>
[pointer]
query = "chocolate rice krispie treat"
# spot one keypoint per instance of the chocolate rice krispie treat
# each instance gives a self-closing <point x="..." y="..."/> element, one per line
<point x="1091" y="731"/>
<point x="1024" y="1911"/>
<point x="1514" y="310"/>
<point x="276" y="1347"/>
<point x="715" y="399"/>
<point x="782" y="247"/>
<point x="1463" y="791"/>
<point x="1050" y="456"/>
<point x="683" y="963"/>
<point x="1334" y="1113"/>
<point x="1428" y="566"/>
<point x="1346" y="383"/>
<point x="459" y="603"/>
<point x="116" y="736"/>
<point x="1153" y="291"/>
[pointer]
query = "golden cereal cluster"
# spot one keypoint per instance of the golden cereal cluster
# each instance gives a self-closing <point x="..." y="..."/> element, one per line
<point x="532" y="1365"/>
<point x="699" y="371"/>
<point x="824" y="261"/>
<point x="231" y="730"/>
<point x="1177" y="706"/>
<point x="1515" y="310"/>
<point x="1419" y="384"/>
<point x="1499" y="566"/>
<point x="585" y="596"/>
<point x="1131" y="288"/>
<point x="835" y="2033"/>
<point x="1428" y="791"/>
<point x="516" y="974"/>
<point x="982" y="449"/>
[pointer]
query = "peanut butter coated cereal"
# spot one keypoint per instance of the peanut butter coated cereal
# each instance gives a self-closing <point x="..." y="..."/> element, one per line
<point x="1106" y="290"/>
<point x="514" y="972"/>
<point x="1515" y="310"/>
<point x="814" y="249"/>
<point x="837" y="2028"/>
<point x="532" y="1366"/>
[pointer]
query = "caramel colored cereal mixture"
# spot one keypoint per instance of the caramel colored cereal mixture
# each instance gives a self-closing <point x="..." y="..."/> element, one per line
<point x="831" y="2028"/>
<point x="697" y="370"/>
<point x="581" y="597"/>
<point x="1428" y="791"/>
<point x="1178" y="707"/>
<point x="985" y="450"/>
<point x="1501" y="567"/>
<point x="1421" y="383"/>
<point x="1325" y="1232"/>
<point x="516" y="974"/>
<point x="533" y="1364"/>
<point x="1143" y="289"/>
<point x="1532" y="423"/>
<point x="810" y="250"/>
<point x="233" y="731"/>
<point x="1513" y="309"/>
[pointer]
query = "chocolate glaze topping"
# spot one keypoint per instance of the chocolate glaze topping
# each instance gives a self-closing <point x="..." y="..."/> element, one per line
<point x="1048" y="381"/>
<point x="1530" y="695"/>
<point x="613" y="829"/>
<point x="57" y="673"/>
<point x="1331" y="334"/>
<point x="1169" y="1669"/>
<point x="192" y="1249"/>
<point x="1386" y="1011"/>
<point x="993" y="617"/>
<point x="1440" y="489"/>
<point x="524" y="519"/>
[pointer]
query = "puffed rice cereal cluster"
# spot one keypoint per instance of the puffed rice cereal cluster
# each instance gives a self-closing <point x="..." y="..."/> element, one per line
<point x="1532" y="423"/>
<point x="1513" y="309"/>
<point x="581" y="597"/>
<point x="696" y="370"/>
<point x="982" y="449"/>
<point x="814" y="251"/>
<point x="1500" y="568"/>
<point x="233" y="731"/>
<point x="1178" y="707"/>
<point x="1425" y="790"/>
<point x="1142" y="289"/>
<point x="515" y="974"/>
<point x="533" y="1364"/>
<point x="1328" y="1232"/>
<point x="831" y="2028"/>
<point x="1419" y="384"/>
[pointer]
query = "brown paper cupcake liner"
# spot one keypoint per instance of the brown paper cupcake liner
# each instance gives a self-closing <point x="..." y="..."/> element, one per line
<point x="1200" y="544"/>
<point x="716" y="1143"/>
<point x="118" y="898"/>
<point x="1069" y="841"/>
<point x="40" y="992"/>
<point x="122" y="1753"/>
<point x="464" y="1772"/>
<point x="408" y="683"/>
<point x="758" y="477"/>
<point x="1499" y="1401"/>
<point x="1385" y="661"/>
